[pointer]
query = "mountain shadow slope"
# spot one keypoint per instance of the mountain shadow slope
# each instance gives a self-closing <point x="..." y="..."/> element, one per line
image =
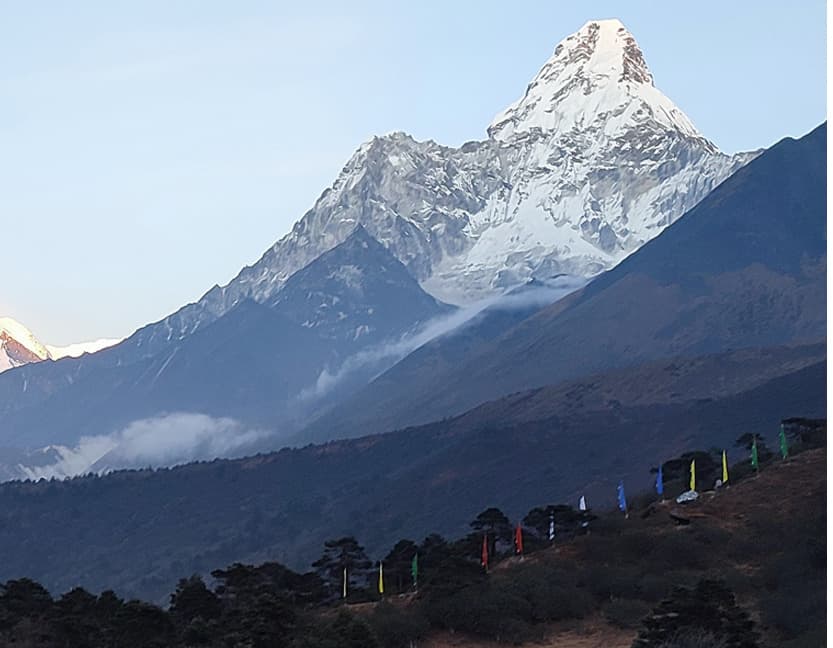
<point x="744" y="268"/>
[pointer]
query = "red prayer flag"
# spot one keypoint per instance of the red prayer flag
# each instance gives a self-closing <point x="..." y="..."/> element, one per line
<point x="519" y="540"/>
<point x="484" y="553"/>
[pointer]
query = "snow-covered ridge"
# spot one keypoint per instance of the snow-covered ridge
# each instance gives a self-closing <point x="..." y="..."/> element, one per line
<point x="19" y="346"/>
<point x="80" y="348"/>
<point x="589" y="164"/>
<point x="23" y="336"/>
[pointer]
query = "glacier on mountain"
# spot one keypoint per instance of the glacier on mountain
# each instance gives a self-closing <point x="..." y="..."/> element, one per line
<point x="589" y="164"/>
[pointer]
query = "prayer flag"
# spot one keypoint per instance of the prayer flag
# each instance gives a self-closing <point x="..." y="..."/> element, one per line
<point x="782" y="440"/>
<point x="620" y="492"/>
<point x="659" y="480"/>
<point x="414" y="569"/>
<point x="381" y="579"/>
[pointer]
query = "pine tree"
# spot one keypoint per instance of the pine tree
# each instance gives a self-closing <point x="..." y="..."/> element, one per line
<point x="398" y="566"/>
<point x="709" y="468"/>
<point x="497" y="527"/>
<point x="75" y="620"/>
<point x="805" y="433"/>
<point x="343" y="553"/>
<point x="433" y="550"/>
<point x="709" y="607"/>
<point x="567" y="521"/>
<point x="745" y="441"/>
<point x="193" y="600"/>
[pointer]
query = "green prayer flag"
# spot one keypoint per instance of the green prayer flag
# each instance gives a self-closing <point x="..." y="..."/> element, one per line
<point x="754" y="453"/>
<point x="414" y="569"/>
<point x="782" y="438"/>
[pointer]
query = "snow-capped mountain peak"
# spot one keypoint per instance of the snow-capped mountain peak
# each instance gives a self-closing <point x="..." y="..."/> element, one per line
<point x="19" y="346"/>
<point x="597" y="74"/>
<point x="589" y="164"/>
<point x="13" y="330"/>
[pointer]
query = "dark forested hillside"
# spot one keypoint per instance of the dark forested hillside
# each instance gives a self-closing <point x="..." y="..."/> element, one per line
<point x="137" y="532"/>
<point x="743" y="566"/>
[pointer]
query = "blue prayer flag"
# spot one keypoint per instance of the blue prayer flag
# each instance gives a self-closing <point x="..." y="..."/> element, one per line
<point x="623" y="504"/>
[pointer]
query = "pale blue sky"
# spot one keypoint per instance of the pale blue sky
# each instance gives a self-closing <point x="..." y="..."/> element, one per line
<point x="149" y="150"/>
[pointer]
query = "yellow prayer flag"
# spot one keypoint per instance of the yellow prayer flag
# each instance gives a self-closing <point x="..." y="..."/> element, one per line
<point x="381" y="580"/>
<point x="692" y="482"/>
<point x="725" y="469"/>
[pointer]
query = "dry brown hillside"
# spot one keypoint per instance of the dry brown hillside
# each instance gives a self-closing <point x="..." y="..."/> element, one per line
<point x="755" y="534"/>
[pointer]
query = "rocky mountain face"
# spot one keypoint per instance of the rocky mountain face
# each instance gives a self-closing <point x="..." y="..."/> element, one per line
<point x="744" y="268"/>
<point x="356" y="295"/>
<point x="588" y="165"/>
<point x="260" y="363"/>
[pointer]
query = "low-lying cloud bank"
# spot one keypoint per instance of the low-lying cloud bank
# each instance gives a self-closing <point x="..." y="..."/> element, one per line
<point x="166" y="440"/>
<point x="178" y="438"/>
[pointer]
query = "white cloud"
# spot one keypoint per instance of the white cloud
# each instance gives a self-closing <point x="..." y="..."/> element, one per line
<point x="160" y="441"/>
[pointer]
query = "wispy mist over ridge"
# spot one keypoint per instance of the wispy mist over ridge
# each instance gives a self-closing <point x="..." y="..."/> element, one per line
<point x="180" y="437"/>
<point x="539" y="294"/>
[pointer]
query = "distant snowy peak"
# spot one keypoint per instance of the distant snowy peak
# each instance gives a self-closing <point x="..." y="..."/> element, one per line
<point x="12" y="329"/>
<point x="18" y="345"/>
<point x="80" y="348"/>
<point x="597" y="75"/>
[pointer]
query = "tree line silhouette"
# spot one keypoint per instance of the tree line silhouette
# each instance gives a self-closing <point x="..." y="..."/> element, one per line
<point x="625" y="569"/>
